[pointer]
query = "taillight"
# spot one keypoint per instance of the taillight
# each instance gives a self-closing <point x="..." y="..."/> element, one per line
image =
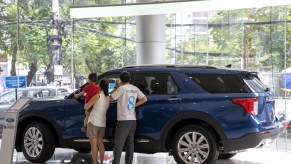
<point x="249" y="104"/>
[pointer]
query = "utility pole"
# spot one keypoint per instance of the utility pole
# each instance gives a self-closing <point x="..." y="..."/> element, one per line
<point x="72" y="52"/>
<point x="56" y="68"/>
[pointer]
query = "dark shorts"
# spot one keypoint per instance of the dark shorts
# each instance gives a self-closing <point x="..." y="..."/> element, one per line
<point x="95" y="131"/>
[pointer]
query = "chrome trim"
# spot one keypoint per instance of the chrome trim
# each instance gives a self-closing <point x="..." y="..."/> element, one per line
<point x="142" y="140"/>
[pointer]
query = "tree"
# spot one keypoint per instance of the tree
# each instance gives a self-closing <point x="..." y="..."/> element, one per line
<point x="253" y="34"/>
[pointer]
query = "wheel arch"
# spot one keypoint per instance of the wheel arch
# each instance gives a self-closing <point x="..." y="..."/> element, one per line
<point x="36" y="117"/>
<point x="193" y="118"/>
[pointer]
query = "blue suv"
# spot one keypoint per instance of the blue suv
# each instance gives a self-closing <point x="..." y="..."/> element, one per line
<point x="196" y="113"/>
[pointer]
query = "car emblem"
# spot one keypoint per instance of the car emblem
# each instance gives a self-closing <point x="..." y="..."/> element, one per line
<point x="10" y="120"/>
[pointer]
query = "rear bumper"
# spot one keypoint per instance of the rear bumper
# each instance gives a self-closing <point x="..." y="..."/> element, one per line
<point x="252" y="140"/>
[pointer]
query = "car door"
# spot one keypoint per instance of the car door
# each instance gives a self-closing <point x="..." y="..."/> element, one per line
<point x="74" y="118"/>
<point x="163" y="103"/>
<point x="111" y="115"/>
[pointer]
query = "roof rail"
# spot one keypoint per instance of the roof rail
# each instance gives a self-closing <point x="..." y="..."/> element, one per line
<point x="172" y="65"/>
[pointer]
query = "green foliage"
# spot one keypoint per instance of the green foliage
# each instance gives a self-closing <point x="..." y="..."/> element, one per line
<point x="256" y="35"/>
<point x="96" y="47"/>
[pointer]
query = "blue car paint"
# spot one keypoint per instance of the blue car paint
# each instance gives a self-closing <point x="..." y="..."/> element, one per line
<point x="160" y="109"/>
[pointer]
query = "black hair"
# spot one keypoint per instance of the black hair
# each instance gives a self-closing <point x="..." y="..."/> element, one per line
<point x="104" y="84"/>
<point x="93" y="77"/>
<point x="124" y="77"/>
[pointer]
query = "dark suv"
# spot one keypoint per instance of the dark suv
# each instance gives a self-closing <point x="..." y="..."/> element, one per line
<point x="196" y="113"/>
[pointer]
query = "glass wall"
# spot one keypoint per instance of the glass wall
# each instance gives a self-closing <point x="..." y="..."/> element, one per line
<point x="255" y="39"/>
<point x="38" y="39"/>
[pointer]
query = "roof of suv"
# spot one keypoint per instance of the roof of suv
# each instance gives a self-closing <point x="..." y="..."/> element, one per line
<point x="185" y="68"/>
<point x="171" y="66"/>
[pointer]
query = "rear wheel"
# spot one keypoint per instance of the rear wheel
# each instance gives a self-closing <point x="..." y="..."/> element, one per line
<point x="38" y="143"/>
<point x="195" y="144"/>
<point x="226" y="155"/>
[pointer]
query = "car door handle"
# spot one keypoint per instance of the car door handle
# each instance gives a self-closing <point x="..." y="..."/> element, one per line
<point x="174" y="99"/>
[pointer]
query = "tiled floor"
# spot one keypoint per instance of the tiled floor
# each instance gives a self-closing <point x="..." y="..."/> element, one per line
<point x="253" y="156"/>
<point x="267" y="155"/>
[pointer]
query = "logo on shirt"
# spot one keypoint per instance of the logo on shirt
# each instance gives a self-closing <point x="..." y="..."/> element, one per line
<point x="131" y="91"/>
<point x="131" y="103"/>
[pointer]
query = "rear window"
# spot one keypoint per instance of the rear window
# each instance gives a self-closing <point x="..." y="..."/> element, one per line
<point x="254" y="83"/>
<point x="227" y="83"/>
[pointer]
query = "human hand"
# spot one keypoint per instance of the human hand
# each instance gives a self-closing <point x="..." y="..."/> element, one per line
<point x="76" y="96"/>
<point x="117" y="83"/>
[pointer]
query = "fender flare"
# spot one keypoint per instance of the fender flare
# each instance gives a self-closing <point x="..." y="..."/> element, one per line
<point x="193" y="115"/>
<point x="44" y="117"/>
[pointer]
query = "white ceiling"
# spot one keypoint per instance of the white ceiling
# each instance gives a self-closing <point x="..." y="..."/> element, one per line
<point x="166" y="7"/>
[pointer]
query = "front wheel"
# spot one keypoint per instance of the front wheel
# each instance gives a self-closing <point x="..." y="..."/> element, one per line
<point x="38" y="143"/>
<point x="195" y="144"/>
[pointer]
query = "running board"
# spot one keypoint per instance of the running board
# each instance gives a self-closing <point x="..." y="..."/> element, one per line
<point x="105" y="140"/>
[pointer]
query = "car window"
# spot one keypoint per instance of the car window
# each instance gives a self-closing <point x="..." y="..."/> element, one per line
<point x="155" y="83"/>
<point x="112" y="79"/>
<point x="62" y="92"/>
<point x="221" y="83"/>
<point x="254" y="83"/>
<point x="39" y="93"/>
<point x="9" y="98"/>
<point x="46" y="93"/>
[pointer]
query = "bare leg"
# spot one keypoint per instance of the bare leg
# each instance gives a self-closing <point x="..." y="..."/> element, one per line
<point x="94" y="149"/>
<point x="101" y="149"/>
<point x="86" y="119"/>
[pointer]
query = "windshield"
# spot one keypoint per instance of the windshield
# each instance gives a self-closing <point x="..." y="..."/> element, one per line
<point x="76" y="92"/>
<point x="9" y="97"/>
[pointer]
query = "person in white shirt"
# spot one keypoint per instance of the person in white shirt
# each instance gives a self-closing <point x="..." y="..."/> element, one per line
<point x="126" y="96"/>
<point x="97" y="121"/>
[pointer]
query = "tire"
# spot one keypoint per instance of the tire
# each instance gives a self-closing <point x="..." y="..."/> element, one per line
<point x="83" y="150"/>
<point x="192" y="150"/>
<point x="39" y="140"/>
<point x="226" y="155"/>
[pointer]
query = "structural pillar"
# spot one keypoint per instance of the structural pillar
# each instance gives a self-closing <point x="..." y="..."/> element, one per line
<point x="151" y="38"/>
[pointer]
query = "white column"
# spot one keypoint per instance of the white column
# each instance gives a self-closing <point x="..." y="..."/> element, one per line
<point x="151" y="38"/>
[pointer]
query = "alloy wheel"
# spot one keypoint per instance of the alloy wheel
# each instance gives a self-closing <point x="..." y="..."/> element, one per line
<point x="33" y="142"/>
<point x="193" y="148"/>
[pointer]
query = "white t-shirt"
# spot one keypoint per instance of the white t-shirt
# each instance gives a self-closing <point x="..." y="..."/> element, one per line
<point x="98" y="114"/>
<point x="126" y="96"/>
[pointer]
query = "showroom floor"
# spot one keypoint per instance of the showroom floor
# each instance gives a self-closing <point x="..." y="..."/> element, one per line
<point x="253" y="156"/>
<point x="256" y="156"/>
<point x="267" y="155"/>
